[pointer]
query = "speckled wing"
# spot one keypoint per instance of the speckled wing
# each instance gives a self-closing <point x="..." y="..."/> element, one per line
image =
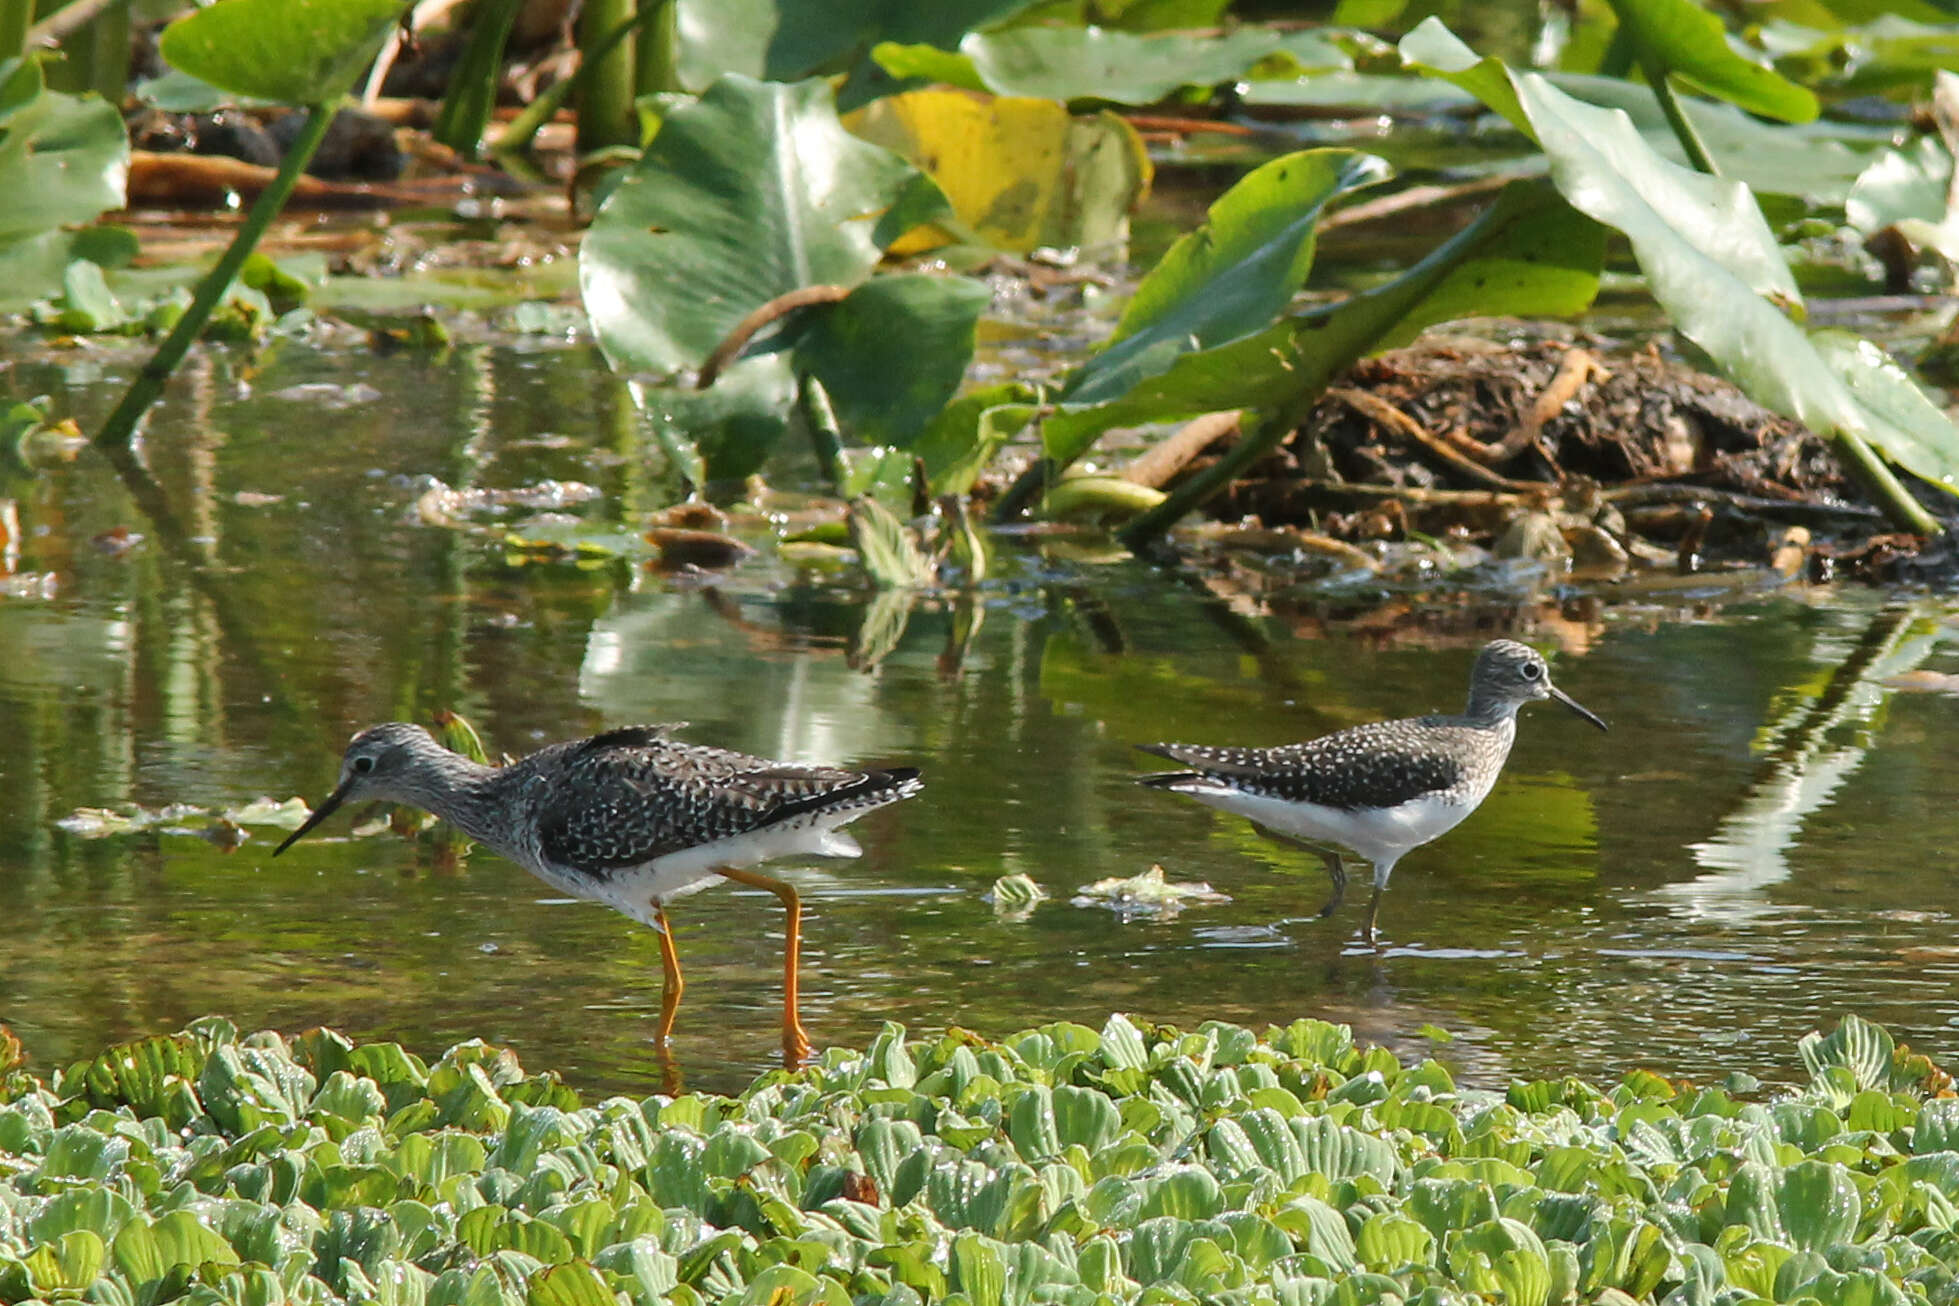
<point x="631" y="795"/>
<point x="1379" y="765"/>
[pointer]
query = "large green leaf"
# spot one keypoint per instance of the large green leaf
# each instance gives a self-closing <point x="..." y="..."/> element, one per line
<point x="1680" y="37"/>
<point x="1818" y="161"/>
<point x="752" y="191"/>
<point x="295" y="51"/>
<point x="1232" y="275"/>
<point x="1530" y="253"/>
<point x="64" y="159"/>
<point x="1819" y="1205"/>
<point x="727" y="432"/>
<point x="893" y="352"/>
<point x="1709" y="258"/>
<point x="1069" y="63"/>
<point x="786" y="40"/>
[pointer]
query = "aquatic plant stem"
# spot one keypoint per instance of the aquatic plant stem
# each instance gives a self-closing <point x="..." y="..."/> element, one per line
<point x="824" y="435"/>
<point x="1684" y="130"/>
<point x="517" y="134"/>
<point x="1147" y="526"/>
<point x="1890" y="492"/>
<point x="659" y="47"/>
<point x="150" y="381"/>
<point x="605" y="94"/>
<point x="465" y="110"/>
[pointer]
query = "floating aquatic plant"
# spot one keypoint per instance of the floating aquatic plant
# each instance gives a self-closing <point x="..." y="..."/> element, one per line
<point x="1060" y="1165"/>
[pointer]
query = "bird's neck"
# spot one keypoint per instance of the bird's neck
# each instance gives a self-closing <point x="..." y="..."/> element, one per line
<point x="1492" y="713"/>
<point x="469" y="796"/>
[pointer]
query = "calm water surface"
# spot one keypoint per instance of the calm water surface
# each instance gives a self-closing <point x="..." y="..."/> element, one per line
<point x="1762" y="842"/>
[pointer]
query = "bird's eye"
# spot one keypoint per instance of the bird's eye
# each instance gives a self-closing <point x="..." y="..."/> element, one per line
<point x="1532" y="671"/>
<point x="363" y="764"/>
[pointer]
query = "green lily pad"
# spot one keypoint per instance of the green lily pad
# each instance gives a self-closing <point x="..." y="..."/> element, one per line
<point x="64" y="159"/>
<point x="1680" y="37"/>
<point x="893" y="352"/>
<point x="750" y="192"/>
<point x="1068" y="62"/>
<point x="291" y="51"/>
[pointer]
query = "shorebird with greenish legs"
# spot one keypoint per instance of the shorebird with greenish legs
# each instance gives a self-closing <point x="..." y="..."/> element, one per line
<point x="631" y="818"/>
<point x="1376" y="790"/>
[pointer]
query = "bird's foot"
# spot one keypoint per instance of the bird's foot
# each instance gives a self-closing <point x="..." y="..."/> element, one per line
<point x="795" y="1047"/>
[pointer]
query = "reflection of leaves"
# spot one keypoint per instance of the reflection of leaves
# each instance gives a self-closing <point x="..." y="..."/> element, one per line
<point x="180" y="818"/>
<point x="883" y="625"/>
<point x="1015" y="896"/>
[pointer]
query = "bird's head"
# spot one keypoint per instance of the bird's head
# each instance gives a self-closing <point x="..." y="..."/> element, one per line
<point x="381" y="762"/>
<point x="1509" y="674"/>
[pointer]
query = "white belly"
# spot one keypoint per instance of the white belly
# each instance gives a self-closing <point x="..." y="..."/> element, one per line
<point x="637" y="890"/>
<point x="1380" y="835"/>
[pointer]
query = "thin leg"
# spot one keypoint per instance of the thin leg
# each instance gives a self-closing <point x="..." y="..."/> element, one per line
<point x="675" y="985"/>
<point x="1336" y="870"/>
<point x="795" y="1040"/>
<point x="1373" y="907"/>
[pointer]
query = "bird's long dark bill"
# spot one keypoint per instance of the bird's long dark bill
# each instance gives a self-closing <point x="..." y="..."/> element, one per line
<point x="1556" y="693"/>
<point x="320" y="813"/>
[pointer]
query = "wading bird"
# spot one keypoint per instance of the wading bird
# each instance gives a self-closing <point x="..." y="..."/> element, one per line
<point x="631" y="818"/>
<point x="1376" y="790"/>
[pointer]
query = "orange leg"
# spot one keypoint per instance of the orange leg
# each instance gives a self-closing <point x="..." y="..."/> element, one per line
<point x="795" y="1041"/>
<point x="675" y="985"/>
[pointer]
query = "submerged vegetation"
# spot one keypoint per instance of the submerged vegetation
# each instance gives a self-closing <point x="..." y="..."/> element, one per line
<point x="1059" y="1165"/>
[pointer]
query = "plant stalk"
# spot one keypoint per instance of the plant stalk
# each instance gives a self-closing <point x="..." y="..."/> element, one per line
<point x="517" y="134"/>
<point x="1882" y="482"/>
<point x="150" y="381"/>
<point x="472" y="93"/>
<point x="16" y="17"/>
<point x="1145" y="527"/>
<point x="824" y="435"/>
<point x="659" y="47"/>
<point x="606" y="69"/>
<point x="1684" y="130"/>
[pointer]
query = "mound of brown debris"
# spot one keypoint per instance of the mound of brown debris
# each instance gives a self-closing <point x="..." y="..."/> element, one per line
<point x="1599" y="462"/>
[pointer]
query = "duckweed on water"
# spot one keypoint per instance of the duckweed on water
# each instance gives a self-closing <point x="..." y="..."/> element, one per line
<point x="1062" y="1166"/>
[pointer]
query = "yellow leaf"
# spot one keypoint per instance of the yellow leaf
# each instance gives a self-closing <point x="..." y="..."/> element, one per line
<point x="1021" y="174"/>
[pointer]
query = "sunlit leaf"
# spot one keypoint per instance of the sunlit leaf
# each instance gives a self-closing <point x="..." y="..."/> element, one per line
<point x="1230" y="276"/>
<point x="750" y="192"/>
<point x="293" y="51"/>
<point x="1680" y="37"/>
<point x="1069" y="62"/>
<point x="64" y="159"/>
<point x="1020" y="174"/>
<point x="893" y="352"/>
<point x="1708" y="257"/>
